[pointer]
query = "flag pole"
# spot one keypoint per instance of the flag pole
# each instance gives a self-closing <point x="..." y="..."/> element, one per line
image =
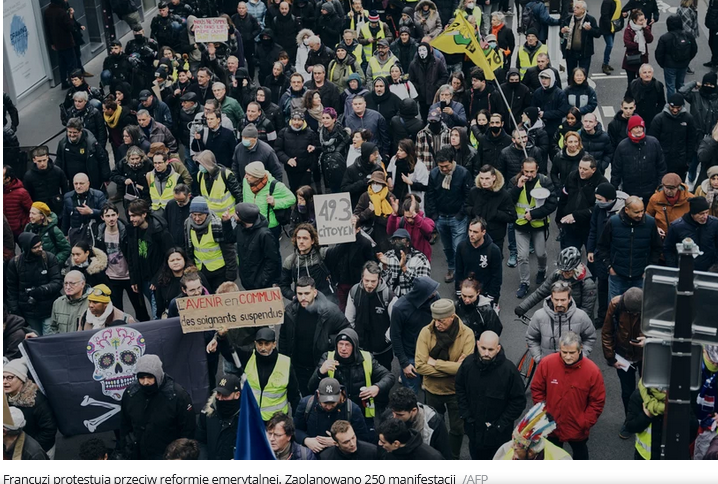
<point x="511" y="115"/>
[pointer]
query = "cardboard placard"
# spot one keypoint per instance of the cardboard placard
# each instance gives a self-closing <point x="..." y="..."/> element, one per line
<point x="334" y="218"/>
<point x="212" y="29"/>
<point x="261" y="307"/>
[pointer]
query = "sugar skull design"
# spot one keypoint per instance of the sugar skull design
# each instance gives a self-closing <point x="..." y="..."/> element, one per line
<point x="114" y="352"/>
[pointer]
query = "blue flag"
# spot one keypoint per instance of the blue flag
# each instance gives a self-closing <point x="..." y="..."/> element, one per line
<point x="252" y="443"/>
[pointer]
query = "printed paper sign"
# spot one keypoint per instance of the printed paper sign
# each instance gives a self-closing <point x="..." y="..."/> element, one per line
<point x="213" y="29"/>
<point x="334" y="218"/>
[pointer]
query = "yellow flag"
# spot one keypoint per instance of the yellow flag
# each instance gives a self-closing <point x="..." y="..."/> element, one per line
<point x="459" y="38"/>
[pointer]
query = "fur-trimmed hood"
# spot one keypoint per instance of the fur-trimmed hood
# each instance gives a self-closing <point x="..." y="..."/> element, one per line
<point x="25" y="397"/>
<point x="210" y="407"/>
<point x="98" y="263"/>
<point x="498" y="183"/>
<point x="303" y="33"/>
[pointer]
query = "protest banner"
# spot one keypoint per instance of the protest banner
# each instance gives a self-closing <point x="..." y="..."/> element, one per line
<point x="334" y="218"/>
<point x="243" y="309"/>
<point x="212" y="29"/>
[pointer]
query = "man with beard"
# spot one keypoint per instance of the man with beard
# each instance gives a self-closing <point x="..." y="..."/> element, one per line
<point x="347" y="446"/>
<point x="404" y="47"/>
<point x="368" y="311"/>
<point x="45" y="181"/>
<point x="217" y="424"/>
<point x="479" y="255"/>
<point x="146" y="49"/>
<point x="79" y="152"/>
<point x="155" y="393"/>
<point x="271" y="376"/>
<point x="116" y="67"/>
<point x="490" y="200"/>
<point x="491" y="396"/>
<point x="477" y="98"/>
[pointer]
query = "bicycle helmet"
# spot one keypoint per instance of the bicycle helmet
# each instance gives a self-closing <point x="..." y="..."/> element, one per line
<point x="568" y="259"/>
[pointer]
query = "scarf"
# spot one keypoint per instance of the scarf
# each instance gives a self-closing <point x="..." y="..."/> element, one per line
<point x="200" y="228"/>
<point x="446" y="183"/>
<point x="98" y="322"/>
<point x="259" y="186"/>
<point x="114" y="119"/>
<point x="710" y="366"/>
<point x="316" y="112"/>
<point x="572" y="29"/>
<point x="382" y="207"/>
<point x="285" y="454"/>
<point x="672" y="200"/>
<point x="640" y="39"/>
<point x="636" y="139"/>
<point x="444" y="340"/>
<point x="710" y="194"/>
<point x="654" y="400"/>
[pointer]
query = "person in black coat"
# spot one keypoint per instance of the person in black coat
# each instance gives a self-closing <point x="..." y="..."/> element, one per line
<point x="493" y="141"/>
<point x="79" y="152"/>
<point x="576" y="203"/>
<point x="578" y="53"/>
<point x="348" y="447"/>
<point x="217" y="424"/>
<point x="259" y="260"/>
<point x="596" y="141"/>
<point x="700" y="227"/>
<point x="675" y="128"/>
<point x="491" y="396"/>
<point x="76" y="202"/>
<point x="649" y="94"/>
<point x="490" y="200"/>
<point x="405" y="124"/>
<point x="45" y="182"/>
<point x="297" y="149"/>
<point x="550" y="100"/>
<point x="328" y="24"/>
<point x="382" y="100"/>
<point x="477" y="256"/>
<point x="356" y="176"/>
<point x="427" y="74"/>
<point x="510" y="159"/>
<point x="155" y="411"/>
<point x="475" y="310"/>
<point x="91" y="117"/>
<point x="674" y="52"/>
<point x="133" y="167"/>
<point x="219" y="140"/>
<point x="14" y="332"/>
<point x="403" y="443"/>
<point x="517" y="94"/>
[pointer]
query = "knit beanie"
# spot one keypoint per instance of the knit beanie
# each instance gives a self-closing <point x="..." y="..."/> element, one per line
<point x="442" y="309"/>
<point x="713" y="170"/>
<point x="532" y="113"/>
<point x="606" y="190"/>
<point x="676" y="99"/>
<point x="633" y="300"/>
<point x="710" y="78"/>
<point x="250" y="131"/>
<point x="255" y="169"/>
<point x="199" y="205"/>
<point x="247" y="212"/>
<point x="16" y="367"/>
<point x="698" y="205"/>
<point x="43" y="208"/>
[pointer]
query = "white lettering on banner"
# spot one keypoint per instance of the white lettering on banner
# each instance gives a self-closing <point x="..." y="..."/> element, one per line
<point x="213" y="29"/>
<point x="334" y="218"/>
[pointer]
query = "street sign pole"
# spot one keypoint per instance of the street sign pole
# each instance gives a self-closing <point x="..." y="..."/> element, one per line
<point x="676" y="422"/>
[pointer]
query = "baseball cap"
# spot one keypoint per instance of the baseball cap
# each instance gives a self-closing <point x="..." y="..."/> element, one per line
<point x="434" y="115"/>
<point x="265" y="334"/>
<point x="329" y="390"/>
<point x="144" y="95"/>
<point x="227" y="385"/>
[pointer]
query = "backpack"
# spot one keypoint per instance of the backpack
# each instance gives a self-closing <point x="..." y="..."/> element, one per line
<point x="283" y="215"/>
<point x="681" y="47"/>
<point x="528" y="19"/>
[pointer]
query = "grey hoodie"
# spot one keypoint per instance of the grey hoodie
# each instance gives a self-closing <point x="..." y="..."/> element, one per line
<point x="547" y="327"/>
<point x="153" y="365"/>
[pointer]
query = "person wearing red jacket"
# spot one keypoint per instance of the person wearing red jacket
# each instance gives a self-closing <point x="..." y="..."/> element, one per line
<point x="16" y="200"/>
<point x="419" y="226"/>
<point x="572" y="387"/>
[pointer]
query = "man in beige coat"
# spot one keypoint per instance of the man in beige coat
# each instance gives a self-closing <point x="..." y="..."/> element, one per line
<point x="440" y="349"/>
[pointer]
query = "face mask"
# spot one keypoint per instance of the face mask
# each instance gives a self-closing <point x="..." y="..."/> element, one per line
<point x="302" y="208"/>
<point x="227" y="408"/>
<point x="495" y="129"/>
<point x="202" y="169"/>
<point x="399" y="246"/>
<point x="294" y="128"/>
<point x="149" y="389"/>
<point x="246" y="143"/>
<point x="376" y="187"/>
<point x="434" y="126"/>
<point x="306" y="41"/>
<point x="423" y="52"/>
<point x="606" y="204"/>
<point x="139" y="37"/>
<point x="492" y="45"/>
<point x="470" y="5"/>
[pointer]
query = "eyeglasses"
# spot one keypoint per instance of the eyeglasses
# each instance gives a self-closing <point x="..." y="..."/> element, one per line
<point x="8" y="377"/>
<point x="71" y="283"/>
<point x="274" y="435"/>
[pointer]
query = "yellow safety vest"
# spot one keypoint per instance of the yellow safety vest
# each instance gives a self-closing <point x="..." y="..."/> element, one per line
<point x="160" y="200"/>
<point x="525" y="61"/>
<point x="357" y="52"/>
<point x="643" y="443"/>
<point x="207" y="252"/>
<point x="369" y="48"/>
<point x="370" y="409"/>
<point x="523" y="205"/>
<point x="220" y="199"/>
<point x="352" y="24"/>
<point x="273" y="398"/>
<point x="378" y="70"/>
<point x="476" y="13"/>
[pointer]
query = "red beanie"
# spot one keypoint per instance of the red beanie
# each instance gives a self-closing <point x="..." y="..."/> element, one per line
<point x="636" y="120"/>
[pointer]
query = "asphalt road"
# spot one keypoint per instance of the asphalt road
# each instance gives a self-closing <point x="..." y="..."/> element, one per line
<point x="604" y="442"/>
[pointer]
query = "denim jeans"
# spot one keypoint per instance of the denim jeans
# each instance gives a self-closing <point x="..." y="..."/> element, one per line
<point x="40" y="325"/>
<point x="617" y="285"/>
<point x="411" y="383"/>
<point x="452" y="232"/>
<point x="512" y="239"/>
<point x="609" y="47"/>
<point x="150" y="295"/>
<point x="523" y="244"/>
<point x="675" y="78"/>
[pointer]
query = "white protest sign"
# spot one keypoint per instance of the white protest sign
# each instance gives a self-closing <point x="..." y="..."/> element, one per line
<point x="334" y="218"/>
<point x="213" y="29"/>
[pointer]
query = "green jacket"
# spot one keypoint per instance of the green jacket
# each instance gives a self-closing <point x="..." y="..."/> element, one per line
<point x="283" y="198"/>
<point x="66" y="313"/>
<point x="233" y="110"/>
<point x="53" y="240"/>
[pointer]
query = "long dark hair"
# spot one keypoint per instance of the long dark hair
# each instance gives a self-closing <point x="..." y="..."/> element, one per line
<point x="166" y="274"/>
<point x="407" y="146"/>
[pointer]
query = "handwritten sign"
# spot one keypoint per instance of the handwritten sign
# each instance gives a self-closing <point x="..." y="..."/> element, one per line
<point x="334" y="218"/>
<point x="212" y="29"/>
<point x="261" y="307"/>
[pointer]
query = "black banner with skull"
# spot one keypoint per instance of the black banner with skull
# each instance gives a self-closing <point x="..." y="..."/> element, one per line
<point x="84" y="374"/>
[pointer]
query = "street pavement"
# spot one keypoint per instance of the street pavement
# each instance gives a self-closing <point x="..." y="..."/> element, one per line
<point x="604" y="442"/>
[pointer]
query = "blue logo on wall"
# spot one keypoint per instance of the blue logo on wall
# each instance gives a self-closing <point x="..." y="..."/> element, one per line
<point x="18" y="35"/>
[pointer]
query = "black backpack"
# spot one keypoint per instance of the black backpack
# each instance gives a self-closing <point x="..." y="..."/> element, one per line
<point x="681" y="47"/>
<point x="283" y="215"/>
<point x="528" y="19"/>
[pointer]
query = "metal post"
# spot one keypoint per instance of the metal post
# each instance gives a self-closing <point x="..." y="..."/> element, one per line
<point x="676" y="421"/>
<point x="108" y="22"/>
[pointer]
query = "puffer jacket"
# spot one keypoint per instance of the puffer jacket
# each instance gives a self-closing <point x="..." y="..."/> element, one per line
<point x="665" y="213"/>
<point x="479" y="316"/>
<point x="406" y="124"/>
<point x="33" y="282"/>
<point x="311" y="420"/>
<point x="489" y="147"/>
<point x="599" y="146"/>
<point x="582" y="96"/>
<point x="619" y="328"/>
<point x="628" y="246"/>
<point x="17" y="204"/>
<point x="547" y="326"/>
<point x="575" y="395"/>
<point x="53" y="240"/>
<point x="677" y="135"/>
<point x="510" y="160"/>
<point x="95" y="158"/>
<point x="489" y="393"/>
<point x="350" y="372"/>
<point x="706" y="236"/>
<point x="66" y="312"/>
<point x="638" y="167"/>
<point x="650" y="98"/>
<point x="71" y="218"/>
<point x="257" y="252"/>
<point x="47" y="185"/>
<point x="553" y="103"/>
<point x="562" y="165"/>
<point x="583" y="291"/>
<point x="39" y="420"/>
<point x="578" y="199"/>
<point x="440" y="379"/>
<point x="618" y="129"/>
<point x="599" y="217"/>
<point x="92" y="121"/>
<point x="704" y="107"/>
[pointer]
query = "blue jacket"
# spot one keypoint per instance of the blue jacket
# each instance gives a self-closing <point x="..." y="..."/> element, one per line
<point x="71" y="218"/>
<point x="639" y="167"/>
<point x="452" y="120"/>
<point x="374" y="122"/>
<point x="706" y="236"/>
<point x="410" y="314"/>
<point x="316" y="421"/>
<point x="448" y="202"/>
<point x="544" y="19"/>
<point x="599" y="217"/>
<point x="629" y="246"/>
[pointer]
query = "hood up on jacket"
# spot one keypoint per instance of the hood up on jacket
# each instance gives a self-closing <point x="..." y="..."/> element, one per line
<point x="667" y="110"/>
<point x="424" y="289"/>
<point x="301" y="34"/>
<point x="408" y="108"/>
<point x="551" y="75"/>
<point x="674" y="23"/>
<point x="350" y="335"/>
<point x="152" y="365"/>
<point x="27" y="241"/>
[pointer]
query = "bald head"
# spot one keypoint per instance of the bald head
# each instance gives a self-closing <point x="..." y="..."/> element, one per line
<point x="488" y="346"/>
<point x="634" y="208"/>
<point x="81" y="183"/>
